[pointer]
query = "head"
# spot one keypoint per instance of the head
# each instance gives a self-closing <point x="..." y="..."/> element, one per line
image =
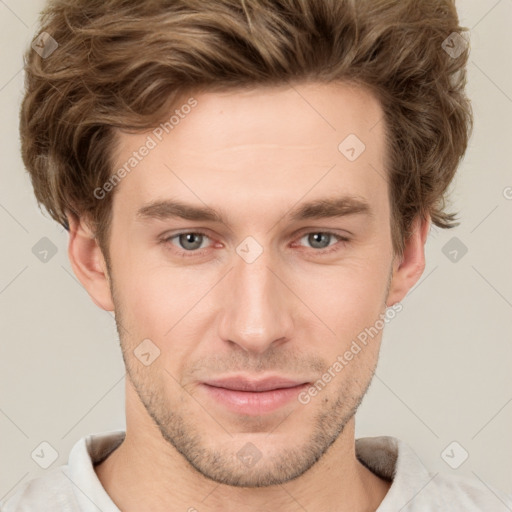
<point x="308" y="145"/>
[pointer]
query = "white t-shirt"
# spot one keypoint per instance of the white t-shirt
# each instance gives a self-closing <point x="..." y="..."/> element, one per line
<point x="74" y="487"/>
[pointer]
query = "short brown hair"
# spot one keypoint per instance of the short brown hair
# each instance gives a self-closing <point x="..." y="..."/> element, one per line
<point x="121" y="65"/>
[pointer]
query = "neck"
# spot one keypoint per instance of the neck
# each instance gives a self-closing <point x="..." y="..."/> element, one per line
<point x="147" y="473"/>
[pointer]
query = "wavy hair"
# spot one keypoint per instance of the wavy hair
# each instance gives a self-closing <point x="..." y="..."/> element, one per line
<point x="122" y="65"/>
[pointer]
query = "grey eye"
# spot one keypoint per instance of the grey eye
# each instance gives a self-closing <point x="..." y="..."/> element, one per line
<point x="319" y="240"/>
<point x="190" y="241"/>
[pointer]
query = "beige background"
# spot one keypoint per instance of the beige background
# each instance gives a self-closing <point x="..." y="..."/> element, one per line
<point x="445" y="368"/>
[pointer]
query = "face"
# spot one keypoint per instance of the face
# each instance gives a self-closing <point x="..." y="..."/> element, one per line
<point x="262" y="286"/>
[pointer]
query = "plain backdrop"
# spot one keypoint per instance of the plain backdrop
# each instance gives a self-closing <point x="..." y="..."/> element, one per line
<point x="444" y="374"/>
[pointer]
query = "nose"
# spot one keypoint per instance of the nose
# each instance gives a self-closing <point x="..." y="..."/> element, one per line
<point x="257" y="306"/>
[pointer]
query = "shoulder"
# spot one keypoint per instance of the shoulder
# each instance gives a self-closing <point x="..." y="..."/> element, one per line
<point x="470" y="494"/>
<point x="48" y="493"/>
<point x="416" y="489"/>
<point x="73" y="487"/>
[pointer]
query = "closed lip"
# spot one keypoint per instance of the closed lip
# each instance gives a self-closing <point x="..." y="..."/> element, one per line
<point x="238" y="383"/>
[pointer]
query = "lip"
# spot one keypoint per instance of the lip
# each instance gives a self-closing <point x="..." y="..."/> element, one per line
<point x="239" y="383"/>
<point x="253" y="397"/>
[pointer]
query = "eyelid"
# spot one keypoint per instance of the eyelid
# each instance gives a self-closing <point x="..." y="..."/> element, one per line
<point x="331" y="231"/>
<point x="166" y="240"/>
<point x="342" y="240"/>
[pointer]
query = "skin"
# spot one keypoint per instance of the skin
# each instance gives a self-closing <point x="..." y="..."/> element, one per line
<point x="253" y="156"/>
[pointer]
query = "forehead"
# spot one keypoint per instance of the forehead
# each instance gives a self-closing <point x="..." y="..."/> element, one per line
<point x="259" y="147"/>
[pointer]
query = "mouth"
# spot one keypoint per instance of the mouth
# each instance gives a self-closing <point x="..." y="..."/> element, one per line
<point x="253" y="397"/>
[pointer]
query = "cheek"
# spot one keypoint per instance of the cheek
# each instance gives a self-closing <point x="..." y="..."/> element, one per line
<point x="347" y="298"/>
<point x="148" y="302"/>
<point x="159" y="304"/>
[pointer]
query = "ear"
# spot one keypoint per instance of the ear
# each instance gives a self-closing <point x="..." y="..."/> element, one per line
<point x="88" y="262"/>
<point x="408" y="269"/>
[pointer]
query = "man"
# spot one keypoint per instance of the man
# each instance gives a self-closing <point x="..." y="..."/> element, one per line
<point x="249" y="186"/>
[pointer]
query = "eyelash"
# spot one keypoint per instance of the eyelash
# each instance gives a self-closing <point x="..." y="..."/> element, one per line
<point x="187" y="254"/>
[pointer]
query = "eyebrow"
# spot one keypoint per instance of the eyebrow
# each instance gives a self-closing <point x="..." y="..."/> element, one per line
<point x="317" y="209"/>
